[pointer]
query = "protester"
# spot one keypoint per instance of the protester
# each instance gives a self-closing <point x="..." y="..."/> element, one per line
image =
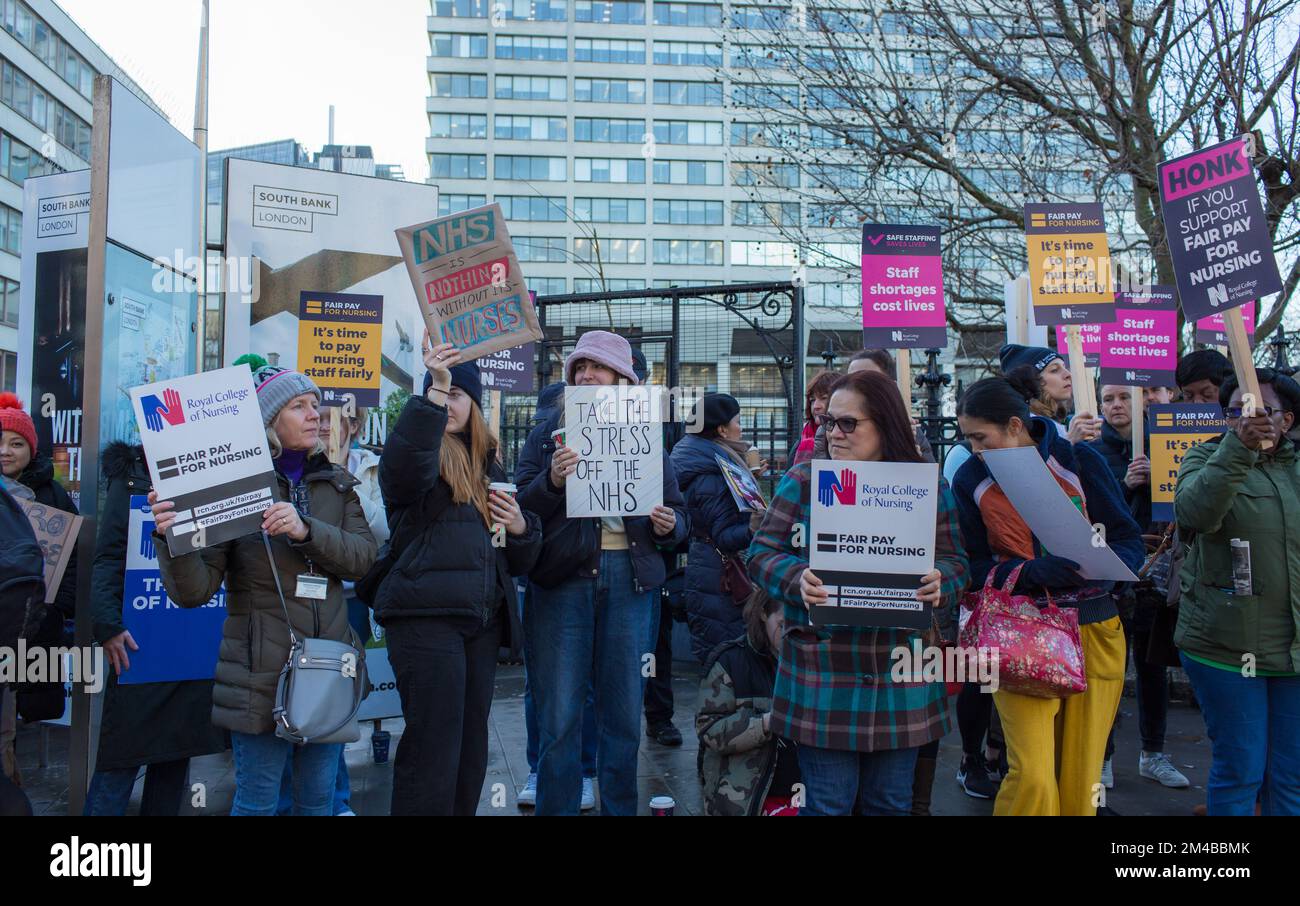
<point x="1157" y="396"/>
<point x="1045" y="370"/>
<point x="1055" y="747"/>
<point x="322" y="531"/>
<point x="747" y="769"/>
<point x="448" y="603"/>
<point x="1237" y="621"/>
<point x="1137" y="606"/>
<point x="719" y="528"/>
<point x="815" y="399"/>
<point x="594" y="590"/>
<point x="22" y="596"/>
<point x="858" y="730"/>
<point x="1200" y="374"/>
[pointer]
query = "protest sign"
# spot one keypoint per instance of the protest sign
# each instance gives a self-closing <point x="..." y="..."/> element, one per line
<point x="175" y="643"/>
<point x="340" y="345"/>
<point x="1141" y="348"/>
<point x="902" y="288"/>
<point x="1053" y="518"/>
<point x="741" y="483"/>
<point x="873" y="536"/>
<point x="206" y="449"/>
<point x="56" y="533"/>
<point x="618" y="436"/>
<point x="1019" y="314"/>
<point x="1214" y="222"/>
<point x="1069" y="264"/>
<point x="468" y="282"/>
<point x="1214" y="332"/>
<point x="511" y="370"/>
<point x="1175" y="429"/>
<point x="1091" y="337"/>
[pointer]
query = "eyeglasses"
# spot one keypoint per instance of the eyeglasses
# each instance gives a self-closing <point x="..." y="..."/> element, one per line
<point x="1236" y="411"/>
<point x="846" y="424"/>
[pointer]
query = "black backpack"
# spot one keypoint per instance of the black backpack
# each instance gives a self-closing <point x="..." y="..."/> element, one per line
<point x="22" y="574"/>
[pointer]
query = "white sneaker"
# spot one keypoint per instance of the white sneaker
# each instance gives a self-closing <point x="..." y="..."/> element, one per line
<point x="1157" y="766"/>
<point x="528" y="795"/>
<point x="588" y="795"/>
<point x="1107" y="775"/>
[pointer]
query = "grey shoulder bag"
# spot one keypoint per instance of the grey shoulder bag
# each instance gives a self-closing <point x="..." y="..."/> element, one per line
<point x="321" y="686"/>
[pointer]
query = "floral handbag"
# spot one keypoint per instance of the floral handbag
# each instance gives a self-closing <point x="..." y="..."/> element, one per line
<point x="1036" y="651"/>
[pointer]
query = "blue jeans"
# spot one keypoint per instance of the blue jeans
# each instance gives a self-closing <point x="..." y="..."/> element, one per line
<point x="260" y="769"/>
<point x="589" y="633"/>
<point x="342" y="789"/>
<point x="530" y="713"/>
<point x="1254" y="728"/>
<point x="165" y="786"/>
<point x="857" y="783"/>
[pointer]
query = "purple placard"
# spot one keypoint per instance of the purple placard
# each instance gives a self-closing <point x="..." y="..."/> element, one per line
<point x="1211" y="330"/>
<point x="1141" y="348"/>
<point x="1214" y="222"/>
<point x="511" y="370"/>
<point x="1090" y="335"/>
<point x="902" y="288"/>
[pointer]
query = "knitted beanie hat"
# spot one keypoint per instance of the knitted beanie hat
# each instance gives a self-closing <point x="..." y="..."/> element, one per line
<point x="276" y="386"/>
<point x="13" y="418"/>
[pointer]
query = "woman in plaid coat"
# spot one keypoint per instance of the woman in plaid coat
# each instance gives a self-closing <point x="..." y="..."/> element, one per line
<point x="857" y="728"/>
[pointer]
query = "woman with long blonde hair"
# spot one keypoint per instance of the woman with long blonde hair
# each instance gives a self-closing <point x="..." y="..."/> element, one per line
<point x="447" y="602"/>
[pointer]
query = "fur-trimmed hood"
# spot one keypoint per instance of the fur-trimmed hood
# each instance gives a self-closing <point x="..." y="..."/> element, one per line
<point x="119" y="458"/>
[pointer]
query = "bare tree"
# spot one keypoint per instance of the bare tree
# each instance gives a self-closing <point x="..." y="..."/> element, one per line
<point x="963" y="111"/>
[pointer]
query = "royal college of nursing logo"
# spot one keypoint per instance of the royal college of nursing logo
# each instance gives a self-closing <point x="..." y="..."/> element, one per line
<point x="842" y="487"/>
<point x="167" y="411"/>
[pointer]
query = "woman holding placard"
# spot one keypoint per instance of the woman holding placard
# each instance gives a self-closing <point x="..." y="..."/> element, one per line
<point x="1240" y="604"/>
<point x="319" y="538"/>
<point x="1042" y="375"/>
<point x="594" y="587"/>
<point x="858" y="730"/>
<point x="1055" y="747"/>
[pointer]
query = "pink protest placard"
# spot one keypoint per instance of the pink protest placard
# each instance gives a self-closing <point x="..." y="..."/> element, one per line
<point x="1212" y="331"/>
<point x="1141" y="348"/>
<point x="1090" y="334"/>
<point x="902" y="288"/>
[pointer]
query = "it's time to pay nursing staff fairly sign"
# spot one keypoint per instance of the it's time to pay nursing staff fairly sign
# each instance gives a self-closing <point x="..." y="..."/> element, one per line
<point x="1069" y="264"/>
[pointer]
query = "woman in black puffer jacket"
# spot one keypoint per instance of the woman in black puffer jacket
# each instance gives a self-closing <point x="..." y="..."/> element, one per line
<point x="718" y="525"/>
<point x="448" y="602"/>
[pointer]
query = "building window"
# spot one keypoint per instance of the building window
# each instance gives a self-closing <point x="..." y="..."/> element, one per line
<point x="694" y="94"/>
<point x="688" y="251"/>
<point x="608" y="50"/>
<point x="546" y="286"/>
<point x="609" y="251"/>
<point x="11" y="229"/>
<point x="461" y="9"/>
<point x="458" y="85"/>
<point x="609" y="91"/>
<point x="688" y="172"/>
<point x="687" y="53"/>
<point x="21" y="93"/>
<point x="764" y="173"/>
<point x="615" y="12"/>
<point x="833" y="214"/>
<point x="764" y="135"/>
<point x="531" y="88"/>
<point x="458" y="125"/>
<point x="532" y="207"/>
<point x="533" y="10"/>
<point x="9" y="300"/>
<point x="609" y="210"/>
<point x="31" y="31"/>
<point x="764" y="96"/>
<point x="539" y="248"/>
<point x="531" y="128"/>
<point x="765" y="213"/>
<point x="756" y="56"/>
<point x="449" y="44"/>
<point x="698" y="213"/>
<point x="764" y="254"/>
<point x="454" y="204"/>
<point x="458" y="166"/>
<point x="608" y="285"/>
<point x="609" y="169"/>
<point x="18" y="161"/>
<point x="687" y="132"/>
<point x="532" y="47"/>
<point x="520" y="166"/>
<point x="8" y="371"/>
<point x="695" y="15"/>
<point x="601" y="129"/>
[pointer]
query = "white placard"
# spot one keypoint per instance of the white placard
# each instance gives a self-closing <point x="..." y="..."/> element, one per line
<point x="206" y="448"/>
<point x="872" y="528"/>
<point x="617" y="432"/>
<point x="1055" y="521"/>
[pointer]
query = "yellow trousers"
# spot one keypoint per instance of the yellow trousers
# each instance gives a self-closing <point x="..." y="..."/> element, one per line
<point x="1055" y="746"/>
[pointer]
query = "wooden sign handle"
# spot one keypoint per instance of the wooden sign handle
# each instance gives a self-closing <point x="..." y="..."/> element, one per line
<point x="1084" y="398"/>
<point x="903" y="373"/>
<point x="337" y="449"/>
<point x="494" y="412"/>
<point x="1243" y="363"/>
<point x="1022" y="309"/>
<point x="1136" y="408"/>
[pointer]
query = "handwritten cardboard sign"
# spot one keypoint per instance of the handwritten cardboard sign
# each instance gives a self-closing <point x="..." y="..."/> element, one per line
<point x="618" y="434"/>
<point x="56" y="533"/>
<point x="468" y="282"/>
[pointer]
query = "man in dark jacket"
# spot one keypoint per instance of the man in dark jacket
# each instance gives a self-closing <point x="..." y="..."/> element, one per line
<point x="591" y="615"/>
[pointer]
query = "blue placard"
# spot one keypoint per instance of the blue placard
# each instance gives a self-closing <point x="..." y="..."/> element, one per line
<point x="175" y="643"/>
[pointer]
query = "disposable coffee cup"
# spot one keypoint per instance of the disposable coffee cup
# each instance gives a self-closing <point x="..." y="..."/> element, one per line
<point x="504" y="487"/>
<point x="558" y="437"/>
<point x="753" y="459"/>
<point x="379" y="741"/>
<point x="662" y="806"/>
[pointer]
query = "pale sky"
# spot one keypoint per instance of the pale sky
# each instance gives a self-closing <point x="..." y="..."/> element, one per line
<point x="277" y="65"/>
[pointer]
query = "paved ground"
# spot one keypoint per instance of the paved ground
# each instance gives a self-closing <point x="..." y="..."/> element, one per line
<point x="662" y="770"/>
